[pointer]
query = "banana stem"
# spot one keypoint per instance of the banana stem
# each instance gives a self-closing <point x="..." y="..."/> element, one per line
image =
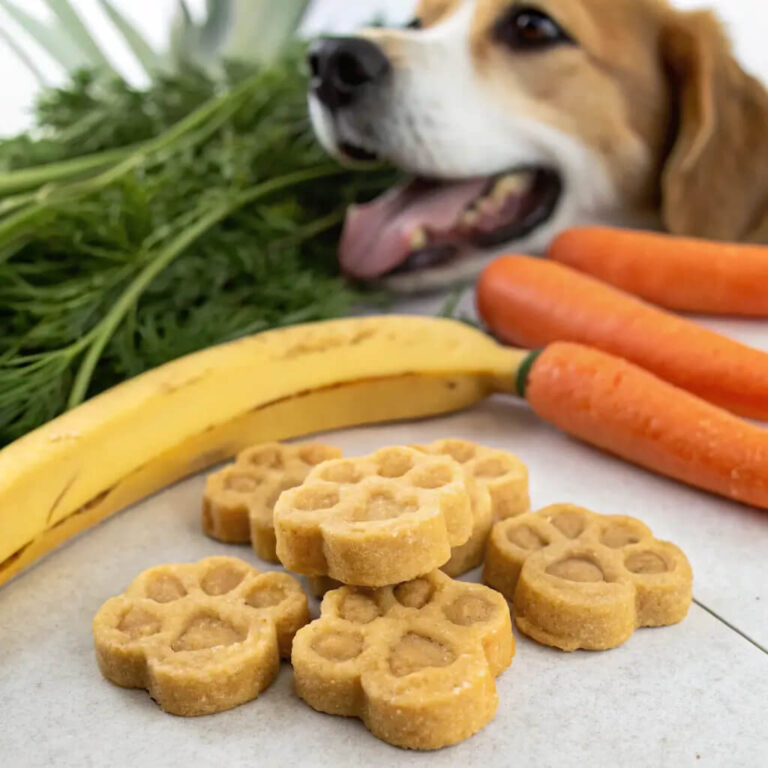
<point x="510" y="370"/>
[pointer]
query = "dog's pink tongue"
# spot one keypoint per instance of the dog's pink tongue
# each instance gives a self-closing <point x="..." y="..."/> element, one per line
<point x="378" y="236"/>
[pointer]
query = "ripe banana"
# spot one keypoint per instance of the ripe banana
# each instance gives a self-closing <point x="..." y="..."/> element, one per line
<point x="200" y="410"/>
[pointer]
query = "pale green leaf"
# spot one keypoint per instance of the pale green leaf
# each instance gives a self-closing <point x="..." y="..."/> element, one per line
<point x="249" y="30"/>
<point x="56" y="43"/>
<point x="185" y="47"/>
<point x="218" y="21"/>
<point x="73" y="25"/>
<point x="260" y="29"/>
<point x="146" y="56"/>
<point x="23" y="57"/>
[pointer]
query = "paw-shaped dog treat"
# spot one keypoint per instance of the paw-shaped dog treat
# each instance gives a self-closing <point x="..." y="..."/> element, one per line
<point x="239" y="500"/>
<point x="416" y="662"/>
<point x="200" y="637"/>
<point x="497" y="483"/>
<point x="376" y="520"/>
<point x="582" y="580"/>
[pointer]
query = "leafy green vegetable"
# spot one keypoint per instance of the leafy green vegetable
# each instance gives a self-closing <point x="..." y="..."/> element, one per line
<point x="255" y="31"/>
<point x="59" y="42"/>
<point x="149" y="59"/>
<point x="155" y="223"/>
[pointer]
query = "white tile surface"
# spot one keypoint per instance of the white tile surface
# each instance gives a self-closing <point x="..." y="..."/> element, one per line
<point x="690" y="695"/>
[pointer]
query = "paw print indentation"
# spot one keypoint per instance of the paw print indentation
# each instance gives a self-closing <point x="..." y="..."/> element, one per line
<point x="582" y="580"/>
<point x="200" y="637"/>
<point x="239" y="500"/>
<point x="497" y="483"/>
<point x="415" y="662"/>
<point x="376" y="520"/>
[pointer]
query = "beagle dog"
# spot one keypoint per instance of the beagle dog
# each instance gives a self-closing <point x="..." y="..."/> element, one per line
<point x="521" y="118"/>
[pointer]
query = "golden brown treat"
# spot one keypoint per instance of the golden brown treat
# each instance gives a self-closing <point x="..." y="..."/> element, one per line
<point x="376" y="520"/>
<point x="497" y="483"/>
<point x="200" y="637"/>
<point x="415" y="662"/>
<point x="239" y="500"/>
<point x="319" y="585"/>
<point x="583" y="580"/>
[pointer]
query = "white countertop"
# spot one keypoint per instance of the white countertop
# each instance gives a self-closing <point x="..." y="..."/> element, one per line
<point x="690" y="695"/>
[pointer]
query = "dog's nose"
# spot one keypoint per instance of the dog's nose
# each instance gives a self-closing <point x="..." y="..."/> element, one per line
<point x="342" y="66"/>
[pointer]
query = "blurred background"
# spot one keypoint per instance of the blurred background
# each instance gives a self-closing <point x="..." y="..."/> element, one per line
<point x="153" y="19"/>
<point x="171" y="194"/>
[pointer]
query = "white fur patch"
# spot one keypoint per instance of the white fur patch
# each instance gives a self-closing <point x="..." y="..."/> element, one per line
<point x="438" y="118"/>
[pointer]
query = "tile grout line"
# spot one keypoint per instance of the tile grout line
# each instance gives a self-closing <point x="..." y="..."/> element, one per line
<point x="731" y="626"/>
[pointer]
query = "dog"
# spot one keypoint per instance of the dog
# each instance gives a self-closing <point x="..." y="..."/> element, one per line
<point x="522" y="118"/>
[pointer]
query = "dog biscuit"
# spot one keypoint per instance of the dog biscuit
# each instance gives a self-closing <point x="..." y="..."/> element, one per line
<point x="497" y="483"/>
<point x="239" y="500"/>
<point x="200" y="637"/>
<point x="582" y="580"/>
<point x="376" y="520"/>
<point x="415" y="662"/>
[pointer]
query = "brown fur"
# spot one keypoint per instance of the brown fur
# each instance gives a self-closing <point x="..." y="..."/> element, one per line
<point x="656" y="94"/>
<point x="714" y="183"/>
<point x="432" y="11"/>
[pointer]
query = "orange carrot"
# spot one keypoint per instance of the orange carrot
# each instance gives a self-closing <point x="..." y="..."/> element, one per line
<point x="627" y="411"/>
<point x="532" y="302"/>
<point x="674" y="272"/>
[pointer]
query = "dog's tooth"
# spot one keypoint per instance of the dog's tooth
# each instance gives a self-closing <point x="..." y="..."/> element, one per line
<point x="419" y="239"/>
<point x="470" y="218"/>
<point x="489" y="205"/>
<point x="500" y="192"/>
<point x="514" y="184"/>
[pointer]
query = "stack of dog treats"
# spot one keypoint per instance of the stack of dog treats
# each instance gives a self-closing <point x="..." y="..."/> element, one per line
<point x="399" y="643"/>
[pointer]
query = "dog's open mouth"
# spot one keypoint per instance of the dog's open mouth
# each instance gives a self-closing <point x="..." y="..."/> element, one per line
<point x="428" y="224"/>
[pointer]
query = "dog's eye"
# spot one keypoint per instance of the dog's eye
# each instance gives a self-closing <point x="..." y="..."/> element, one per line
<point x="526" y="28"/>
<point x="414" y="24"/>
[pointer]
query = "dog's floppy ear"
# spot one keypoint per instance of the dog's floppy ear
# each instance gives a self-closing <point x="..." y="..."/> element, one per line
<point x="714" y="183"/>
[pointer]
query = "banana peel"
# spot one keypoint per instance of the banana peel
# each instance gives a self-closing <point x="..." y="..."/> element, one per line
<point x="201" y="410"/>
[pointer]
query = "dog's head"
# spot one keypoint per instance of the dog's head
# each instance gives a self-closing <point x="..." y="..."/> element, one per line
<point x="520" y="118"/>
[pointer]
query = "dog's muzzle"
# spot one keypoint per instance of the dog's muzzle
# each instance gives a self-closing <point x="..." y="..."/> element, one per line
<point x="343" y="68"/>
<point x="432" y="223"/>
